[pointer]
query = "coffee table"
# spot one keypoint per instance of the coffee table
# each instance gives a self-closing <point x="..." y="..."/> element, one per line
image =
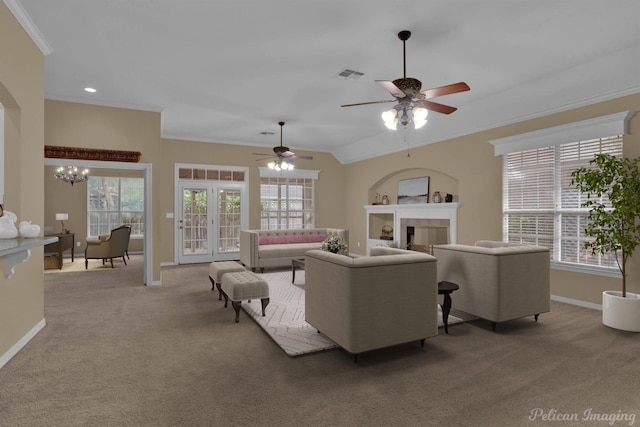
<point x="446" y="288"/>
<point x="296" y="263"/>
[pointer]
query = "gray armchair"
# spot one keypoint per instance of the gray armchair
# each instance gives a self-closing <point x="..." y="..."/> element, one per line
<point x="109" y="247"/>
<point x="498" y="281"/>
<point x="372" y="302"/>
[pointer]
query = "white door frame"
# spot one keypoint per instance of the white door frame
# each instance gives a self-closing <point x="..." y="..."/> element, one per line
<point x="212" y="207"/>
<point x="148" y="214"/>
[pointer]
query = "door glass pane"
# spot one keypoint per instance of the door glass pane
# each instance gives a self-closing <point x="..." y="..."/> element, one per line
<point x="195" y="220"/>
<point x="228" y="221"/>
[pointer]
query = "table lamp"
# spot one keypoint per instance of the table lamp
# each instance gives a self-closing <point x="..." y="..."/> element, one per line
<point x="62" y="217"/>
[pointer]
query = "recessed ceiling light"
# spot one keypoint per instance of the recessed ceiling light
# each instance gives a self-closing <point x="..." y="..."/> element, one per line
<point x="90" y="90"/>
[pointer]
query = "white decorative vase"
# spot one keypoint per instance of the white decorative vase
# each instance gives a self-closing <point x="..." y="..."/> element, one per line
<point x="28" y="230"/>
<point x="8" y="228"/>
<point x="621" y="313"/>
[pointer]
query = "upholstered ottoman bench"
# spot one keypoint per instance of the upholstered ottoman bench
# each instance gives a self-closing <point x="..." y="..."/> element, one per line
<point x="241" y="286"/>
<point x="218" y="269"/>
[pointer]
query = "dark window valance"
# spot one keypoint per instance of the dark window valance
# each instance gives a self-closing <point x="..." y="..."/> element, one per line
<point x="77" y="153"/>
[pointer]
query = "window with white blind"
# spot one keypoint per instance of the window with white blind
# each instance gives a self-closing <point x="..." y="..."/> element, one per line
<point x="286" y="203"/>
<point x="540" y="206"/>
<point x="287" y="199"/>
<point x="115" y="201"/>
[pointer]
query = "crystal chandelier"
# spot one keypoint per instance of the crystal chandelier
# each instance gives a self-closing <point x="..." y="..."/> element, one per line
<point x="70" y="174"/>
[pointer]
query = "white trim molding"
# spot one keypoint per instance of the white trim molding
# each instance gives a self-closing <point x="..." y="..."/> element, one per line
<point x="599" y="127"/>
<point x="577" y="302"/>
<point x="29" y="26"/>
<point x="266" y="172"/>
<point x="4" y="359"/>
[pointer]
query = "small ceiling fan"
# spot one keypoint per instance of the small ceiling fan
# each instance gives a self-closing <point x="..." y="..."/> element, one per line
<point x="283" y="156"/>
<point x="411" y="101"/>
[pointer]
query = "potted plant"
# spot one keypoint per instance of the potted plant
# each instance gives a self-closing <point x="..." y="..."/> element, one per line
<point x="334" y="244"/>
<point x="615" y="229"/>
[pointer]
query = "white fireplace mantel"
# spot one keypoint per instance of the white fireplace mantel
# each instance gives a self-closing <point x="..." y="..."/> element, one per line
<point x="394" y="214"/>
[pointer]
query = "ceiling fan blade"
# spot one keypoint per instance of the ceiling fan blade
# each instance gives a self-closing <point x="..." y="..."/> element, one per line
<point x="265" y="158"/>
<point x="303" y="157"/>
<point x="446" y="90"/>
<point x="367" y="103"/>
<point x="392" y="88"/>
<point x="262" y="154"/>
<point x="438" y="108"/>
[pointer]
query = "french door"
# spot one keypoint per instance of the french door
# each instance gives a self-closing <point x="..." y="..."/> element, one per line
<point x="209" y="220"/>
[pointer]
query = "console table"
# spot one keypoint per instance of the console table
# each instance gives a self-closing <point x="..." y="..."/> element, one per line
<point x="65" y="242"/>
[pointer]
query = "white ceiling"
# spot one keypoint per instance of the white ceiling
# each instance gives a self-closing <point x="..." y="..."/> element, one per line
<point x="228" y="70"/>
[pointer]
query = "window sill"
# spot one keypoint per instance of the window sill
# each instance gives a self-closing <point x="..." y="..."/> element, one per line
<point x="586" y="269"/>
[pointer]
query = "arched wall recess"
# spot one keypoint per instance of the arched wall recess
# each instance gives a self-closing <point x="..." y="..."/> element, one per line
<point x="388" y="184"/>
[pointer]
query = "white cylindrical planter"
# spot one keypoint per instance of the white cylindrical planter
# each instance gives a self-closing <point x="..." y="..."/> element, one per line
<point x="621" y="313"/>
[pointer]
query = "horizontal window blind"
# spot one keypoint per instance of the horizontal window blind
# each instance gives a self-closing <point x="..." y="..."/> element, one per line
<point x="540" y="206"/>
<point x="286" y="203"/>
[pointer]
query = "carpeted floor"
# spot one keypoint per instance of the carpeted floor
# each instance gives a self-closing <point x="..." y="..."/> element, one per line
<point x="117" y="353"/>
<point x="78" y="264"/>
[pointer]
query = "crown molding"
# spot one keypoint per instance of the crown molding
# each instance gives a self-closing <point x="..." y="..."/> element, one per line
<point x="598" y="127"/>
<point x="29" y="26"/>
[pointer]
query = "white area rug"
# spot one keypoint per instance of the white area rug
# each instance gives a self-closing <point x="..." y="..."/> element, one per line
<point x="284" y="320"/>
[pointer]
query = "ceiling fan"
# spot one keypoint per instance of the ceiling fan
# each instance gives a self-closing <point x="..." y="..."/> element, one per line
<point x="283" y="156"/>
<point x="411" y="101"/>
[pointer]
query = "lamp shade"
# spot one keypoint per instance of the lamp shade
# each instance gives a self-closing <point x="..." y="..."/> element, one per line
<point x="390" y="118"/>
<point x="62" y="216"/>
<point x="419" y="117"/>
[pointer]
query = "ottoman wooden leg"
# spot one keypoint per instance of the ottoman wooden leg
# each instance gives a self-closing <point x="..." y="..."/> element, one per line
<point x="265" y="303"/>
<point x="236" y="307"/>
<point x="219" y="290"/>
<point x="226" y="299"/>
<point x="213" y="284"/>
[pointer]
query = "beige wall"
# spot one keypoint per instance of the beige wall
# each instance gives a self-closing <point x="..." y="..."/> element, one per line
<point x="21" y="93"/>
<point x="469" y="161"/>
<point x="329" y="188"/>
<point x="71" y="124"/>
<point x="465" y="166"/>
<point x="61" y="197"/>
<point x="80" y="125"/>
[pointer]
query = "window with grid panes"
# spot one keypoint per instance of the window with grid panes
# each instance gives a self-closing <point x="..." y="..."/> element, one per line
<point x="286" y="203"/>
<point x="115" y="201"/>
<point x="541" y="207"/>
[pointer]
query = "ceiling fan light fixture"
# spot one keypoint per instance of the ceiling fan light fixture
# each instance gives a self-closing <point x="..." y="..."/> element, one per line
<point x="281" y="165"/>
<point x="419" y="116"/>
<point x="390" y="119"/>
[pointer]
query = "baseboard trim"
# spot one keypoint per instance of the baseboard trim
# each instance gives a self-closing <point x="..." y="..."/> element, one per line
<point x="4" y="359"/>
<point x="577" y="302"/>
<point x="168" y="263"/>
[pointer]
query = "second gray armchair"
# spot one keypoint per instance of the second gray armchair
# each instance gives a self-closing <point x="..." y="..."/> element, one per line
<point x="109" y="247"/>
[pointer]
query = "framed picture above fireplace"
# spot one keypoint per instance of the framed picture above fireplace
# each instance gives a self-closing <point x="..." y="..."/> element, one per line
<point x="414" y="190"/>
